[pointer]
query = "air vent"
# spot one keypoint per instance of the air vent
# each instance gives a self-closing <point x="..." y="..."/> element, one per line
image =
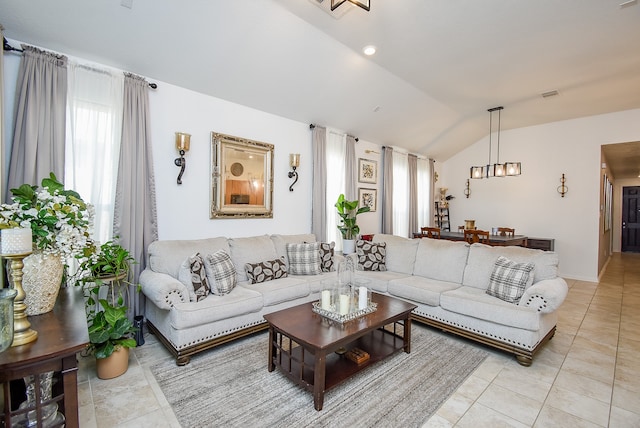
<point x="549" y="94"/>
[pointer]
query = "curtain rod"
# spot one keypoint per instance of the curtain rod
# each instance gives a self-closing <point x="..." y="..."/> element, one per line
<point x="8" y="48"/>
<point x="311" y="126"/>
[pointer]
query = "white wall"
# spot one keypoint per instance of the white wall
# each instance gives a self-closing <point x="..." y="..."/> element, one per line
<point x="530" y="203"/>
<point x="183" y="210"/>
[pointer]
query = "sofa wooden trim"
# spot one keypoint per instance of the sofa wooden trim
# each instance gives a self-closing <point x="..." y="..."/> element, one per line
<point x="183" y="356"/>
<point x="524" y="356"/>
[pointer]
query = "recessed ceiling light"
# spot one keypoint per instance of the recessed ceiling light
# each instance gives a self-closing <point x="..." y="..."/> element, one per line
<point x="369" y="50"/>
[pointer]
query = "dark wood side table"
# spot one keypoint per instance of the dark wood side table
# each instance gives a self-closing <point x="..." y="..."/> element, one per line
<point x="61" y="334"/>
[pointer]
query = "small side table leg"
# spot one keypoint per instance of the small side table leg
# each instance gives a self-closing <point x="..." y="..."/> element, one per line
<point x="70" y="385"/>
<point x="318" y="381"/>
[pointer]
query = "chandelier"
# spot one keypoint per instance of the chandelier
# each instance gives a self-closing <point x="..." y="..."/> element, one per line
<point x="497" y="169"/>
<point x="365" y="4"/>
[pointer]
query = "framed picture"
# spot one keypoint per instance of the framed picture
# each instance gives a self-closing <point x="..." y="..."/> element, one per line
<point x="367" y="171"/>
<point x="368" y="198"/>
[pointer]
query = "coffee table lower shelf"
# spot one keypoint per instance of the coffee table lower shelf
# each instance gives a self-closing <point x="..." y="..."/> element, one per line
<point x="301" y="366"/>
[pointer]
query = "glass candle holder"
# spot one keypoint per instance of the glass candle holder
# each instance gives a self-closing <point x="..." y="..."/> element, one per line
<point x="7" y="295"/>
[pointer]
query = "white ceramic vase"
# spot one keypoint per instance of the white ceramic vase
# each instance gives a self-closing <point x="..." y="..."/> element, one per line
<point x="42" y="276"/>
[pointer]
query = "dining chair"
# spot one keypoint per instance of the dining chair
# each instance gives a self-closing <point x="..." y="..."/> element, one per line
<point x="461" y="229"/>
<point x="430" y="232"/>
<point x="474" y="235"/>
<point x="506" y="231"/>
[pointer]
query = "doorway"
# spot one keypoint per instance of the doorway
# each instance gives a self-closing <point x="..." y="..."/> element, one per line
<point x="630" y="219"/>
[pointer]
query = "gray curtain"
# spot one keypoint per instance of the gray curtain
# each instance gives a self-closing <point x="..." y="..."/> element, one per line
<point x="413" y="195"/>
<point x="39" y="131"/>
<point x="387" y="190"/>
<point x="135" y="216"/>
<point x="350" y="170"/>
<point x="319" y="186"/>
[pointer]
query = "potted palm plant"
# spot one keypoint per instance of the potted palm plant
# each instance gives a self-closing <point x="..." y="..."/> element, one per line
<point x="110" y="329"/>
<point x="348" y="211"/>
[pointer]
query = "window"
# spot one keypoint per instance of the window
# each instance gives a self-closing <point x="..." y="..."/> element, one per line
<point x="400" y="194"/>
<point x="336" y="148"/>
<point x="94" y="131"/>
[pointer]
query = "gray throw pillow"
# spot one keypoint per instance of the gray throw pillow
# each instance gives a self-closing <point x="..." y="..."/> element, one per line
<point x="304" y="259"/>
<point x="221" y="272"/>
<point x="509" y="279"/>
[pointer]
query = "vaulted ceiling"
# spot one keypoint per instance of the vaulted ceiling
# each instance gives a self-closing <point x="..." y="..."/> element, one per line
<point x="440" y="64"/>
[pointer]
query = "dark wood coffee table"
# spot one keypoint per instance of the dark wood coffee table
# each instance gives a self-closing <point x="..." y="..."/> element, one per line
<point x="303" y="344"/>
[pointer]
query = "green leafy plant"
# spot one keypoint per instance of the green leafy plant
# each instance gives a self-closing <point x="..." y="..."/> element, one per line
<point x="348" y="211"/>
<point x="110" y="327"/>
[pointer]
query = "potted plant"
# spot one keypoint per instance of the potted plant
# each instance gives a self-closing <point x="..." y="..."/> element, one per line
<point x="348" y="211"/>
<point x="110" y="329"/>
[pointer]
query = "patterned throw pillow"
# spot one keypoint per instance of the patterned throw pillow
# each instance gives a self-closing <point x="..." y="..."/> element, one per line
<point x="199" y="279"/>
<point x="266" y="271"/>
<point x="221" y="272"/>
<point x="371" y="255"/>
<point x="326" y="256"/>
<point x="304" y="259"/>
<point x="509" y="279"/>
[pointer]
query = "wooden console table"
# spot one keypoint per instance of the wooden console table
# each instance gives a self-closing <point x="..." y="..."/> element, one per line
<point x="61" y="334"/>
<point x="494" y="240"/>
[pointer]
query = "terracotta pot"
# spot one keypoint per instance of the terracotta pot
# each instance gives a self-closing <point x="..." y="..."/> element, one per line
<point x="114" y="365"/>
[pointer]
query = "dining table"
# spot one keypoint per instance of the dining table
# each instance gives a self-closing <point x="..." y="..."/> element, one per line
<point x="494" y="240"/>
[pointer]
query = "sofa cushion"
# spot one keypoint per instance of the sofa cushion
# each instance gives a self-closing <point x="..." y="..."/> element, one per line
<point x="379" y="281"/>
<point x="441" y="260"/>
<point x="327" y="264"/>
<point x="280" y="243"/>
<point x="371" y="256"/>
<point x="281" y="290"/>
<point x="400" y="252"/>
<point x="239" y="301"/>
<point x="509" y="279"/>
<point x="166" y="256"/>
<point x="194" y="277"/>
<point x="251" y="250"/>
<point x="476" y="303"/>
<point x="221" y="272"/>
<point x="304" y="259"/>
<point x="482" y="258"/>
<point x="267" y="270"/>
<point x="420" y="289"/>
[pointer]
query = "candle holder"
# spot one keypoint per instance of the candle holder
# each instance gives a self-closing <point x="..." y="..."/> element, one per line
<point x="22" y="332"/>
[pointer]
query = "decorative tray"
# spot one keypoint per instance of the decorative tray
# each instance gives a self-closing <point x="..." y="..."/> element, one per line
<point x="335" y="316"/>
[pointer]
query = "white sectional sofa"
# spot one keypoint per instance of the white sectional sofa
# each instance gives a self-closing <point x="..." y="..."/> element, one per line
<point x="447" y="280"/>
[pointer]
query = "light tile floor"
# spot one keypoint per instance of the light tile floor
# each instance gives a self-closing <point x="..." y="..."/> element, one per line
<point x="586" y="376"/>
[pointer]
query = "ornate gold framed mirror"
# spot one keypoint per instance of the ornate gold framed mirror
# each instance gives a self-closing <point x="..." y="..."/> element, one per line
<point x="241" y="177"/>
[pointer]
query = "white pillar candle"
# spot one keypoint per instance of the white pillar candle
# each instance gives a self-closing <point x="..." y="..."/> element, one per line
<point x="362" y="298"/>
<point x="326" y="300"/>
<point x="344" y="304"/>
<point x="16" y="241"/>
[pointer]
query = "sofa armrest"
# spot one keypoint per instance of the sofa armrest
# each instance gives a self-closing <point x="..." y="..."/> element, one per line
<point x="162" y="289"/>
<point x="545" y="296"/>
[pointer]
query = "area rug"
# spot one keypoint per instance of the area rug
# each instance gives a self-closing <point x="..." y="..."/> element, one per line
<point x="230" y="386"/>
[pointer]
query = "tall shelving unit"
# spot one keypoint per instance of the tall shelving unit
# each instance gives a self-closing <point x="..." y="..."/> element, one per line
<point x="442" y="216"/>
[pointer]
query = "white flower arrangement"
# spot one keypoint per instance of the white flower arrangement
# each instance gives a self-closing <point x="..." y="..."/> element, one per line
<point x="60" y="221"/>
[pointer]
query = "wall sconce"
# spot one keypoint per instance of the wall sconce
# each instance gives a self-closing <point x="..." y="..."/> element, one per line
<point x="182" y="145"/>
<point x="467" y="189"/>
<point x="294" y="162"/>
<point x="562" y="189"/>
